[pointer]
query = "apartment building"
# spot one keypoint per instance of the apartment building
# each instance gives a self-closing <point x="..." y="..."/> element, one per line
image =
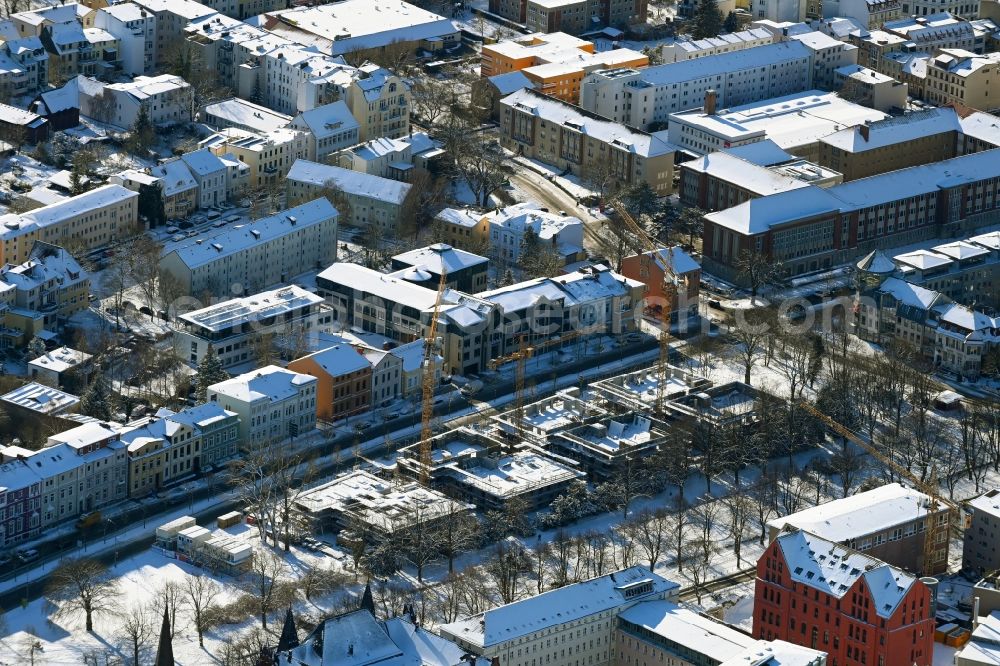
<point x="20" y="494"/>
<point x="256" y="255"/>
<point x="663" y="632"/>
<point x="686" y="48"/>
<point x="245" y="9"/>
<point x="347" y="27"/>
<point x="230" y="328"/>
<point x="887" y="523"/>
<point x="645" y="98"/>
<point x="135" y="29"/>
<point x="812" y="228"/>
<point x="177" y="186"/>
<point x="23" y="67"/>
<point x="63" y="366"/>
<point x="965" y="271"/>
<point x="82" y="469"/>
<point x="268" y="156"/>
<point x="562" y="234"/>
<point x="343" y="381"/>
<point x="956" y="76"/>
<point x="78" y="50"/>
<point x="870" y="14"/>
<point x="582" y="629"/>
<point x="464" y="228"/>
<point x="980" y="131"/>
<point x="814" y="592"/>
<point x="331" y="128"/>
<point x="44" y="291"/>
<point x="873" y="148"/>
<point x="544" y="128"/>
<point x="169" y="447"/>
<point x="372" y="200"/>
<point x="380" y="101"/>
<point x="172" y="17"/>
<point x="272" y="404"/>
<point x="870" y="88"/>
<point x="392" y="158"/>
<point x="979" y="548"/>
<point x="556" y="63"/>
<point x="87" y="221"/>
<point x="244" y="115"/>
<point x="684" y="274"/>
<point x="387" y="374"/>
<point x="461" y="270"/>
<point x="571" y="16"/>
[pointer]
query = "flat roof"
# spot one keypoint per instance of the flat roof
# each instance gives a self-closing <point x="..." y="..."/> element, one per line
<point x="40" y="398"/>
<point x="236" y="111"/>
<point x="251" y="308"/>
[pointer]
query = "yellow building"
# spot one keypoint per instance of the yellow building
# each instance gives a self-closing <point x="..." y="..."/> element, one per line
<point x="962" y="77"/>
<point x="84" y="222"/>
<point x="269" y="156"/>
<point x="555" y="63"/>
<point x="465" y="229"/>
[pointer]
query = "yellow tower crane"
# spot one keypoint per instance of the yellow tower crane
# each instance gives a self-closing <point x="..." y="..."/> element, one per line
<point x="427" y="378"/>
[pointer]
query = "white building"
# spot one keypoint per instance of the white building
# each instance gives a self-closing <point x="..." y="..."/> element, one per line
<point x="258" y="254"/>
<point x="52" y="367"/>
<point x="273" y="404"/>
<point x="373" y="201"/>
<point x="870" y="14"/>
<point x="569" y="625"/>
<point x="135" y="29"/>
<point x="166" y="98"/>
<point x="509" y="225"/>
<point x="779" y="11"/>
<point x="639" y="98"/>
<point x="172" y="16"/>
<point x="688" y="49"/>
<point x="829" y="54"/>
<point x="243" y="114"/>
<point x="331" y="127"/>
<point x="212" y="175"/>
<point x="391" y="158"/>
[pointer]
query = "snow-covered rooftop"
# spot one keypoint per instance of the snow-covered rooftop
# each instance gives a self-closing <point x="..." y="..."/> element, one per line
<point x="339" y="360"/>
<point x="755" y="179"/>
<point x="60" y="360"/>
<point x="715" y="641"/>
<point x="176" y="177"/>
<point x="895" y="130"/>
<point x="101" y="197"/>
<point x="242" y="113"/>
<point x="560" y="606"/>
<point x="858" y="515"/>
<point x="910" y="294"/>
<point x="237" y="311"/>
<point x="329" y="119"/>
<point x="441" y="256"/>
<point x="40" y="398"/>
<point x="351" y="182"/>
<point x="268" y="384"/>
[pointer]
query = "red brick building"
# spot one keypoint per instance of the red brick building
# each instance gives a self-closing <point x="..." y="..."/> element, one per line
<point x="857" y="609"/>
<point x="649" y="270"/>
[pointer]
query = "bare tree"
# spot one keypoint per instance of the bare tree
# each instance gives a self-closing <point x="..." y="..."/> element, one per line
<point x="706" y="516"/>
<point x="138" y="626"/>
<point x="82" y="586"/>
<point x="478" y="159"/>
<point x="750" y="336"/>
<point x="458" y="532"/>
<point x="200" y="594"/>
<point x="261" y="581"/>
<point x="169" y="598"/>
<point x="756" y="269"/>
<point x="652" y="534"/>
<point x="506" y="568"/>
<point x="740" y="508"/>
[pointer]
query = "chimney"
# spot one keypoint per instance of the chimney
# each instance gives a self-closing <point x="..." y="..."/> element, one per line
<point x="975" y="613"/>
<point x="865" y="131"/>
<point x="710" y="100"/>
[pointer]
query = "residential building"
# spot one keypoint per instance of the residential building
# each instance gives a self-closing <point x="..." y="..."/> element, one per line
<point x="167" y="99"/>
<point x="232" y="327"/>
<point x="380" y="101"/>
<point x="172" y="17"/>
<point x="359" y="506"/>
<point x="267" y="156"/>
<point x="464" y="228"/>
<point x="979" y="548"/>
<point x="392" y="158"/>
<point x="211" y="173"/>
<point x="886" y="523"/>
<point x="555" y="63"/>
<point x="983" y="646"/>
<point x="967" y="9"/>
<point x="654" y="270"/>
<point x="34" y="401"/>
<point x="610" y="445"/>
<point x="88" y="221"/>
<point x="461" y="270"/>
<point x="540" y="127"/>
<point x="646" y="98"/>
<point x="387" y="375"/>
<point x="19" y="126"/>
<point x="343" y="381"/>
<point x="584" y="626"/>
<point x="135" y="29"/>
<point x="956" y="76"/>
<point x="23" y="67"/>
<point x="939" y="29"/>
<point x="965" y="271"/>
<point x="813" y="592"/>
<point x="661" y="631"/>
<point x="726" y="178"/>
<point x="169" y="447"/>
<point x="570" y="16"/>
<point x="82" y="469"/>
<point x="178" y="188"/>
<point x="255" y="255"/>
<point x="47" y="289"/>
<point x="272" y="404"/>
<point x="508" y="226"/>
<point x="686" y="9"/>
<point x="870" y="14"/>
<point x="347" y="27"/>
<point x="75" y="49"/>
<point x="21" y="491"/>
<point x="686" y="48"/>
<point x="795" y="123"/>
<point x="980" y="131"/>
<point x="371" y="200"/>
<point x="813" y="228"/>
<point x="331" y="128"/>
<point x="873" y="148"/>
<point x="828" y="55"/>
<point x="62" y="367"/>
<point x="244" y="115"/>
<point x="245" y="9"/>
<point x="870" y="88"/>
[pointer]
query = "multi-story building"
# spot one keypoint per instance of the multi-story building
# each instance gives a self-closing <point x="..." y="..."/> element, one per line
<point x="870" y="14"/>
<point x="870" y="88"/>
<point x="979" y="548"/>
<point x="82" y="469"/>
<point x="980" y="131"/>
<point x="567" y="137"/>
<point x="683" y="272"/>
<point x="62" y="367"/>
<point x="343" y="381"/>
<point x="331" y="128"/>
<point x="372" y="201"/>
<point x="23" y="67"/>
<point x="887" y="523"/>
<point x="169" y="447"/>
<point x="461" y="270"/>
<point x="74" y="50"/>
<point x="268" y="156"/>
<point x="244" y="9"/>
<point x="172" y="17"/>
<point x="965" y="271"/>
<point x="20" y="492"/>
<point x="48" y="288"/>
<point x="244" y="115"/>
<point x="178" y="188"/>
<point x="582" y="629"/>
<point x="922" y="137"/>
<point x="258" y="254"/>
<point x="387" y="374"/>
<point x="464" y="228"/>
<point x="358" y="27"/>
<point x="508" y="226"/>
<point x="689" y="49"/>
<point x="86" y="221"/>
<point x="956" y="76"/>
<point x="166" y="99"/>
<point x="571" y="16"/>
<point x="231" y="328"/>
<point x="380" y="101"/>
<point x="211" y="173"/>
<point x="645" y="98"/>
<point x="272" y="404"/>
<point x="859" y="610"/>
<point x="392" y="158"/>
<point x="135" y="29"/>
<point x="813" y="228"/>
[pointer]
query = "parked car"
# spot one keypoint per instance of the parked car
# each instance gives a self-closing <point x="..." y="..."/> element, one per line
<point x="27" y="555"/>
